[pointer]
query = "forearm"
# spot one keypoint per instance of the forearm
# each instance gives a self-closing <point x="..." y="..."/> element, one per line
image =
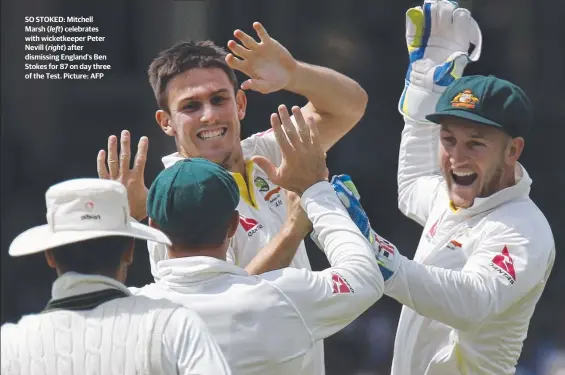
<point x="418" y="156"/>
<point x="279" y="252"/>
<point x="456" y="298"/>
<point x="419" y="174"/>
<point x="336" y="101"/>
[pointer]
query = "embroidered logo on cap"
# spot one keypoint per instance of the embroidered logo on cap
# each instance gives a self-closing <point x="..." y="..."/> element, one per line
<point x="465" y="99"/>
<point x="89" y="206"/>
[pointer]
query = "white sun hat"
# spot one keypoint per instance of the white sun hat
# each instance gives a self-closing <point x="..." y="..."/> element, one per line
<point x="83" y="209"/>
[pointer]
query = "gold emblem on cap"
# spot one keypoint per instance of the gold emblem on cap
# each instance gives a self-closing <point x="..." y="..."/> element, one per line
<point x="465" y="99"/>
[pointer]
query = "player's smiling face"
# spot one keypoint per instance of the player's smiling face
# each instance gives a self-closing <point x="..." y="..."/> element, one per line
<point x="205" y="114"/>
<point x="476" y="160"/>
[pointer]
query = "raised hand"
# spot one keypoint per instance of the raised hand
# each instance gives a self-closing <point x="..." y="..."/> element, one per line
<point x="268" y="63"/>
<point x="119" y="170"/>
<point x="440" y="28"/>
<point x="303" y="160"/>
<point x="438" y="36"/>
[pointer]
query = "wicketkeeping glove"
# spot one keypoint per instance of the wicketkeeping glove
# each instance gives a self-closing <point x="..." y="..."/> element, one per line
<point x="385" y="252"/>
<point x="438" y="36"/>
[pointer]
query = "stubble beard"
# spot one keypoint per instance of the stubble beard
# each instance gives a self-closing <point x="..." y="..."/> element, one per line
<point x="494" y="183"/>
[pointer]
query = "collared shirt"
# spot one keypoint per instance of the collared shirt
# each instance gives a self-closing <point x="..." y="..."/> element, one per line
<point x="262" y="206"/>
<point x="262" y="210"/>
<point x="113" y="337"/>
<point x="477" y="274"/>
<point x="268" y="324"/>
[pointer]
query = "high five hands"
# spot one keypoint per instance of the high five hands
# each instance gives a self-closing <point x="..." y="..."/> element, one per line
<point x="303" y="159"/>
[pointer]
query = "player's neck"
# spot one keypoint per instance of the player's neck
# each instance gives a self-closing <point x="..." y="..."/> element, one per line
<point x="239" y="167"/>
<point x="212" y="252"/>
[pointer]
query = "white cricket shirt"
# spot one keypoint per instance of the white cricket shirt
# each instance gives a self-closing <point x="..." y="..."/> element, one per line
<point x="267" y="324"/>
<point x="477" y="274"/>
<point x="262" y="210"/>
<point x="132" y="335"/>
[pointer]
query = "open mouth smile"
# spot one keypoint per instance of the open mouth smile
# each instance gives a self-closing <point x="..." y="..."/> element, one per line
<point x="463" y="178"/>
<point x="207" y="135"/>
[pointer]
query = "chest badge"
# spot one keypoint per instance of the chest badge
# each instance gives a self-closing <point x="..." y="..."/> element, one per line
<point x="261" y="184"/>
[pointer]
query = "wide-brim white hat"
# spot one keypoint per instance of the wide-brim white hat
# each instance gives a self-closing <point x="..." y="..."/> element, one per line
<point x="80" y="210"/>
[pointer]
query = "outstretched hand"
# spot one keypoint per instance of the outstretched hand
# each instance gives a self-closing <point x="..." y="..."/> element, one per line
<point x="268" y="63"/>
<point x="133" y="179"/>
<point x="303" y="160"/>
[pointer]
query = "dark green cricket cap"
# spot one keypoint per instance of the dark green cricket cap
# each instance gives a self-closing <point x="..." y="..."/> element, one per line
<point x="486" y="100"/>
<point x="192" y="198"/>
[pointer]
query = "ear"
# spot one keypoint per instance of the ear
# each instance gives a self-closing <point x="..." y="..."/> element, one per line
<point x="241" y="101"/>
<point x="516" y="148"/>
<point x="50" y="259"/>
<point x="234" y="223"/>
<point x="127" y="256"/>
<point x="164" y="121"/>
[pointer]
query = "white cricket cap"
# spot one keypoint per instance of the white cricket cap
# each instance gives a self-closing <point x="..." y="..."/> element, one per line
<point x="83" y="209"/>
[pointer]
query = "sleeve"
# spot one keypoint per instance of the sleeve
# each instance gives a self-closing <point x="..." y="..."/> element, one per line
<point x="8" y="360"/>
<point x="264" y="144"/>
<point x="329" y="300"/>
<point x="503" y="269"/>
<point x="419" y="174"/>
<point x="193" y="348"/>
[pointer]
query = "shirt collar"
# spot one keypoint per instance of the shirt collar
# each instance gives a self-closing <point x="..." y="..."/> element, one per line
<point x="72" y="283"/>
<point x="171" y="159"/>
<point x="247" y="194"/>
<point x="192" y="270"/>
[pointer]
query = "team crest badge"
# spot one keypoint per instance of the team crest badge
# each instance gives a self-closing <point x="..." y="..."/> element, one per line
<point x="465" y="99"/>
<point x="261" y="184"/>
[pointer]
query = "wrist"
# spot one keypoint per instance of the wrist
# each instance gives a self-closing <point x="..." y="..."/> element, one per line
<point x="300" y="190"/>
<point x="293" y="230"/>
<point x="296" y="77"/>
<point x="416" y="102"/>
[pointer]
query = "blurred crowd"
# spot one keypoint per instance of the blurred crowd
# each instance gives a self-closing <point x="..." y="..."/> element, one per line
<point x="52" y="130"/>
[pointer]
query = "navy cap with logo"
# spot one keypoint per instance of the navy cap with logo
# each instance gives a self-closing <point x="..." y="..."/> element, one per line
<point x="486" y="100"/>
<point x="193" y="198"/>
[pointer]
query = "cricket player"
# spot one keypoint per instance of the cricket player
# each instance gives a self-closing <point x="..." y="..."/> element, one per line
<point x="264" y="324"/>
<point x="93" y="324"/>
<point x="486" y="250"/>
<point x="201" y="106"/>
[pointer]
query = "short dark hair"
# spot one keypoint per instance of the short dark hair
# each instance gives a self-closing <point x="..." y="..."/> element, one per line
<point x="95" y="256"/>
<point x="185" y="56"/>
<point x="211" y="237"/>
